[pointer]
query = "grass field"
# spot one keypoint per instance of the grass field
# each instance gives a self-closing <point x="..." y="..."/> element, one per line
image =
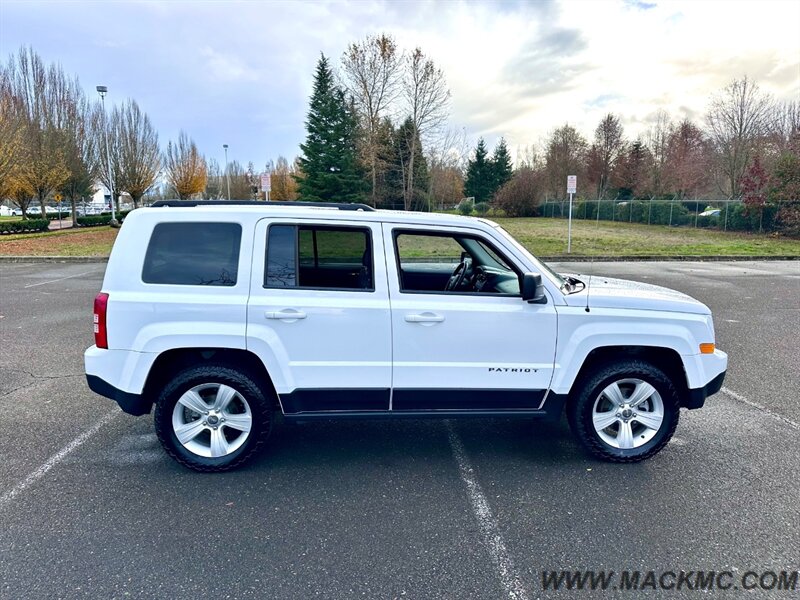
<point x="94" y="241"/>
<point x="543" y="237"/>
<point x="548" y="237"/>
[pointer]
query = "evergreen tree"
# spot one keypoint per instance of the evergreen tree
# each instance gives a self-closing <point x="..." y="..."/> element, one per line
<point x="389" y="189"/>
<point x="501" y="166"/>
<point x="480" y="175"/>
<point x="329" y="165"/>
<point x="405" y="138"/>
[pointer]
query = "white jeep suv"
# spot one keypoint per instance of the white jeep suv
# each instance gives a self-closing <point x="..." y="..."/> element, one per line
<point x="223" y="313"/>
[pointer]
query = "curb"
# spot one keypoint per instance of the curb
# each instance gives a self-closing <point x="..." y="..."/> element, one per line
<point x="53" y="259"/>
<point x="655" y="258"/>
<point x="559" y="258"/>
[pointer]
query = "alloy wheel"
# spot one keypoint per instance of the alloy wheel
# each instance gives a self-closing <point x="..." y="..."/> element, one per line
<point x="212" y="420"/>
<point x="628" y="413"/>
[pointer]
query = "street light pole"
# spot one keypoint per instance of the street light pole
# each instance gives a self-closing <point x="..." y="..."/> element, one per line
<point x="227" y="172"/>
<point x="103" y="90"/>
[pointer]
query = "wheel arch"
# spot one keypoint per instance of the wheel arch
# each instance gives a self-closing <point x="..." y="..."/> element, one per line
<point x="666" y="359"/>
<point x="169" y="362"/>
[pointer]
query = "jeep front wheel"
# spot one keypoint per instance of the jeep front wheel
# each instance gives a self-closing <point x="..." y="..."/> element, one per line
<point x="625" y="412"/>
<point x="212" y="418"/>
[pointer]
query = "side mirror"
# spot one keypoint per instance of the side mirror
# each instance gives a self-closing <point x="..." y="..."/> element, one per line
<point x="532" y="289"/>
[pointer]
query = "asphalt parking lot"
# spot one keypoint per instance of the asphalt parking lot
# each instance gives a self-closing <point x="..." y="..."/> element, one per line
<point x="92" y="508"/>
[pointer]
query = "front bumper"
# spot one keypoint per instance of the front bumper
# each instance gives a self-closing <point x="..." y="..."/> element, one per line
<point x="697" y="397"/>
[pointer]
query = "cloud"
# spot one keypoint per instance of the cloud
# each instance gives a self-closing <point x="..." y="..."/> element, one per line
<point x="241" y="73"/>
<point x="226" y="67"/>
<point x="548" y="62"/>
<point x="639" y="5"/>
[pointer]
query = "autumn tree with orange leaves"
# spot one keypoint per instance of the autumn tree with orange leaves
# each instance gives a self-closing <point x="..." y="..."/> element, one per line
<point x="185" y="167"/>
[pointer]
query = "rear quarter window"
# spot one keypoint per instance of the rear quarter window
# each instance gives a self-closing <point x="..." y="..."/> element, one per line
<point x="193" y="254"/>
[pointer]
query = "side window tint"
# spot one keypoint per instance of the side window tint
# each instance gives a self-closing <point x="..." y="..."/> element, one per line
<point x="319" y="257"/>
<point x="281" y="257"/>
<point x="193" y="254"/>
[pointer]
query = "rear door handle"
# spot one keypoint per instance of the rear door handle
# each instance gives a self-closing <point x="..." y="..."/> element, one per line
<point x="426" y="317"/>
<point x="287" y="314"/>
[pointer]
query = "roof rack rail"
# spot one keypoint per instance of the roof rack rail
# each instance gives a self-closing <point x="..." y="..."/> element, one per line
<point x="298" y="204"/>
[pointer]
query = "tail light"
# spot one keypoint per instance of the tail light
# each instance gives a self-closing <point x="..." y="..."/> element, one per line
<point x="100" y="331"/>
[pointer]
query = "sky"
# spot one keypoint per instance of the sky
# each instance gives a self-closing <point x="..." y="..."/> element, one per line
<point x="240" y="73"/>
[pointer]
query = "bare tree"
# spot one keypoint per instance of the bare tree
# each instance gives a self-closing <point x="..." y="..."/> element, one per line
<point x="787" y="124"/>
<point x="241" y="181"/>
<point x="608" y="147"/>
<point x="738" y="117"/>
<point x="529" y="157"/>
<point x="428" y="100"/>
<point x="633" y="170"/>
<point x="136" y="154"/>
<point x="565" y="155"/>
<point x="371" y="71"/>
<point x="447" y="156"/>
<point x="109" y="168"/>
<point x="185" y="167"/>
<point x="215" y="182"/>
<point x="657" y="142"/>
<point x="44" y="94"/>
<point x="83" y="126"/>
<point x="688" y="159"/>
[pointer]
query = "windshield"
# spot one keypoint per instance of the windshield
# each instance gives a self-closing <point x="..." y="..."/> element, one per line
<point x="555" y="277"/>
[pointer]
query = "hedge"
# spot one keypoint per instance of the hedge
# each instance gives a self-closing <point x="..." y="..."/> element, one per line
<point x="101" y="219"/>
<point x="24" y="226"/>
<point x="481" y="208"/>
<point x="635" y="211"/>
<point x="466" y="207"/>
<point x="742" y="218"/>
<point x="93" y="220"/>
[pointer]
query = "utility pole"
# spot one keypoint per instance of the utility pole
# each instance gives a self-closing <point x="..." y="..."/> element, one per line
<point x="103" y="90"/>
<point x="227" y="172"/>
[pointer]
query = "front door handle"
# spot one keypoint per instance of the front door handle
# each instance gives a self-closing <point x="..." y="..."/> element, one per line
<point x="426" y="317"/>
<point x="287" y="314"/>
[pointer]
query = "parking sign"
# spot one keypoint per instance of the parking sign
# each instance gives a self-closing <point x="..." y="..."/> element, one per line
<point x="572" y="184"/>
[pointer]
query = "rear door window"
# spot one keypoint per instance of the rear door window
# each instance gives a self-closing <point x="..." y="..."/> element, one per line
<point x="193" y="254"/>
<point x="319" y="257"/>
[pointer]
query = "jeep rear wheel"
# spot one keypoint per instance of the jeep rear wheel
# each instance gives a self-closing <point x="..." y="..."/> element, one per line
<point x="212" y="418"/>
<point x="625" y="412"/>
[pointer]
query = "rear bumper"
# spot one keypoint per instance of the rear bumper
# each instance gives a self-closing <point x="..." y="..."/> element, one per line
<point x="119" y="375"/>
<point x="133" y="404"/>
<point x="697" y="397"/>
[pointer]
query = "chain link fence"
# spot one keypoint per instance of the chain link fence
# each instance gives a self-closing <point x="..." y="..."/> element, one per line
<point x="724" y="214"/>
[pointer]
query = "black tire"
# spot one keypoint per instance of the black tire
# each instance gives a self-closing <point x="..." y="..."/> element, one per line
<point x="261" y="408"/>
<point x="581" y="406"/>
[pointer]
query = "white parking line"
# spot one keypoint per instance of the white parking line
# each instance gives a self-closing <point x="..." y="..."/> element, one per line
<point x="55" y="459"/>
<point x="760" y="407"/>
<point x="57" y="280"/>
<point x="488" y="524"/>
